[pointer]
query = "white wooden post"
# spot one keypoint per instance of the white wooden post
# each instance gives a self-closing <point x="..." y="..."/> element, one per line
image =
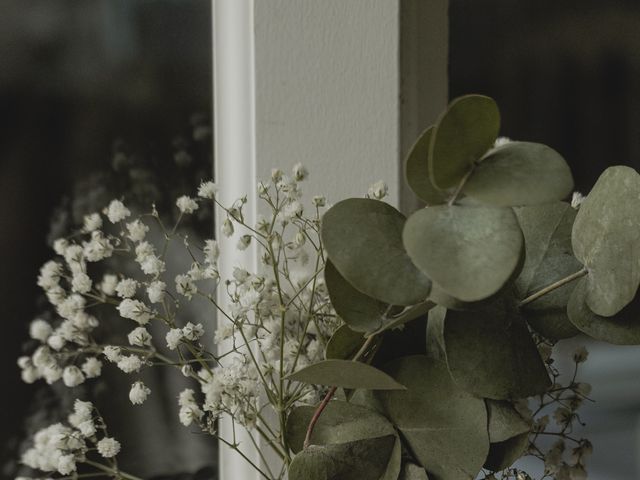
<point x="342" y="86"/>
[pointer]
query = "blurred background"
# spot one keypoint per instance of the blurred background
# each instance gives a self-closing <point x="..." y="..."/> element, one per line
<point x="89" y="86"/>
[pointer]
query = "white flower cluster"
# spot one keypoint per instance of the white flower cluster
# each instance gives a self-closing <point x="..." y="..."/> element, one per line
<point x="60" y="448"/>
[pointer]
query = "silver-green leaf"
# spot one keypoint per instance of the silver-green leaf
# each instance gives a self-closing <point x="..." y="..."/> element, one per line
<point x="363" y="239"/>
<point x="417" y="171"/>
<point x="469" y="252"/>
<point x="520" y="173"/>
<point x="606" y="239"/>
<point x="345" y="374"/>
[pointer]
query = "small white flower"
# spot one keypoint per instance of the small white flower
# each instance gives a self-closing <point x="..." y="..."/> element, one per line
<point x="81" y="282"/>
<point x="173" y="338"/>
<point x="501" y="141"/>
<point x="72" y="376"/>
<point x="126" y="288"/>
<point x="292" y="210"/>
<point x="60" y="246"/>
<point x="109" y="284"/>
<point x="98" y="248"/>
<point x="92" y="222"/>
<point x="130" y="363"/>
<point x="186" y="204"/>
<point x="134" y="310"/>
<point x="113" y="354"/>
<point x="185" y="286"/>
<point x="227" y="228"/>
<point x="207" y="190"/>
<point x="576" y="200"/>
<point x="138" y="393"/>
<point x="108" y="447"/>
<point x="92" y="367"/>
<point x="193" y="332"/>
<point x="300" y="173"/>
<point x="211" y="251"/>
<point x="139" y="337"/>
<point x="87" y="428"/>
<point x="40" y="330"/>
<point x="152" y="265"/>
<point x="156" y="291"/>
<point x="243" y="242"/>
<point x="66" y="464"/>
<point x="378" y="190"/>
<point x="56" y="342"/>
<point x="116" y="211"/>
<point x="137" y="230"/>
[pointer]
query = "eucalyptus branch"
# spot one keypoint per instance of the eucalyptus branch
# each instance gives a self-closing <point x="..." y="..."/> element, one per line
<point x="560" y="283"/>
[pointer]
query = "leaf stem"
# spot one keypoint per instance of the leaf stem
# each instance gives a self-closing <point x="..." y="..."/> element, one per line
<point x="327" y="398"/>
<point x="461" y="185"/>
<point x="553" y="286"/>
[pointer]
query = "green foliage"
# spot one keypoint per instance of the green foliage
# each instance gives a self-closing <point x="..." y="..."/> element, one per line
<point x="501" y="266"/>
<point x="345" y="374"/>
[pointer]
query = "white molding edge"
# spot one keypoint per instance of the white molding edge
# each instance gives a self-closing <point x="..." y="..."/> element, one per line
<point x="234" y="159"/>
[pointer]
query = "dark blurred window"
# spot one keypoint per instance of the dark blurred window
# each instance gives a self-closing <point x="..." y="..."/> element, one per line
<point x="80" y="79"/>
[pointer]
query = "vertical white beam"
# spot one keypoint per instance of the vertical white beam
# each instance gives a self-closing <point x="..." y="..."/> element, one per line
<point x="234" y="124"/>
<point x="320" y="82"/>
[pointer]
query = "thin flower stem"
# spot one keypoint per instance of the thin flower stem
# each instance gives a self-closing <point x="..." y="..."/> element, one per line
<point x="560" y="283"/>
<point x="111" y="471"/>
<point x="330" y="393"/>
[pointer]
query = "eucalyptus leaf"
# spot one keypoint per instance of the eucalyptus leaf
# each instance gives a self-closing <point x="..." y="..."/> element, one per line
<point x="520" y="173"/>
<point x="470" y="252"/>
<point x="417" y="171"/>
<point x="357" y="460"/>
<point x="463" y="133"/>
<point x="343" y="422"/>
<point x="435" y="334"/>
<point x="621" y="329"/>
<point x="549" y="258"/>
<point x="491" y="354"/>
<point x="606" y="239"/>
<point x="505" y="421"/>
<point x="411" y="471"/>
<point x="345" y="374"/>
<point x="343" y="344"/>
<point x="361" y="312"/>
<point x="504" y="454"/>
<point x="363" y="239"/>
<point x="444" y="427"/>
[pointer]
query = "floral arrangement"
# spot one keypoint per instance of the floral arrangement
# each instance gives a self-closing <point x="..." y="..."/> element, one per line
<point x="368" y="345"/>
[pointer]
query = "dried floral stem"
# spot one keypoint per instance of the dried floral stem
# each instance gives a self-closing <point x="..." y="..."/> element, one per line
<point x="327" y="398"/>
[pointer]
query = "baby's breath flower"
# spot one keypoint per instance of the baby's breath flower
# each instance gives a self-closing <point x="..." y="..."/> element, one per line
<point x="580" y="355"/>
<point x="116" y="211"/>
<point x="185" y="286"/>
<point x="378" y="190"/>
<point x="138" y="393"/>
<point x="156" y="291"/>
<point x="319" y="201"/>
<point x="211" y="251"/>
<point x="113" y="354"/>
<point x="243" y="242"/>
<point x="300" y="173"/>
<point x="81" y="282"/>
<point x="137" y="230"/>
<point x="92" y="367"/>
<point x="109" y="284"/>
<point x="139" y="337"/>
<point x="576" y="200"/>
<point x="40" y="330"/>
<point x="207" y="190"/>
<point x="72" y="376"/>
<point x="87" y="428"/>
<point x="134" y="310"/>
<point x="192" y="331"/>
<point x="173" y="338"/>
<point x="227" y="228"/>
<point x="108" y="447"/>
<point x="92" y="222"/>
<point x="60" y="246"/>
<point x="129" y="363"/>
<point x="501" y="141"/>
<point x="186" y="204"/>
<point x="126" y="288"/>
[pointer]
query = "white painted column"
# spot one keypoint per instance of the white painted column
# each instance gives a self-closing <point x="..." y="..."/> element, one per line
<point x="322" y="82"/>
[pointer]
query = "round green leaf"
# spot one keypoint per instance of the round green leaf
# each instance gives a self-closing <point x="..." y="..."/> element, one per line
<point x="606" y="239"/>
<point x="549" y="257"/>
<point x="505" y="421"/>
<point x="411" y="471"/>
<point x="417" y="171"/>
<point x="504" y="454"/>
<point x="491" y="354"/>
<point x="345" y="461"/>
<point x="470" y="252"/>
<point x="343" y="344"/>
<point x="361" y="312"/>
<point x="445" y="427"/>
<point x="520" y="173"/>
<point x="345" y="374"/>
<point x="621" y="329"/>
<point x="463" y="134"/>
<point x="363" y="239"/>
